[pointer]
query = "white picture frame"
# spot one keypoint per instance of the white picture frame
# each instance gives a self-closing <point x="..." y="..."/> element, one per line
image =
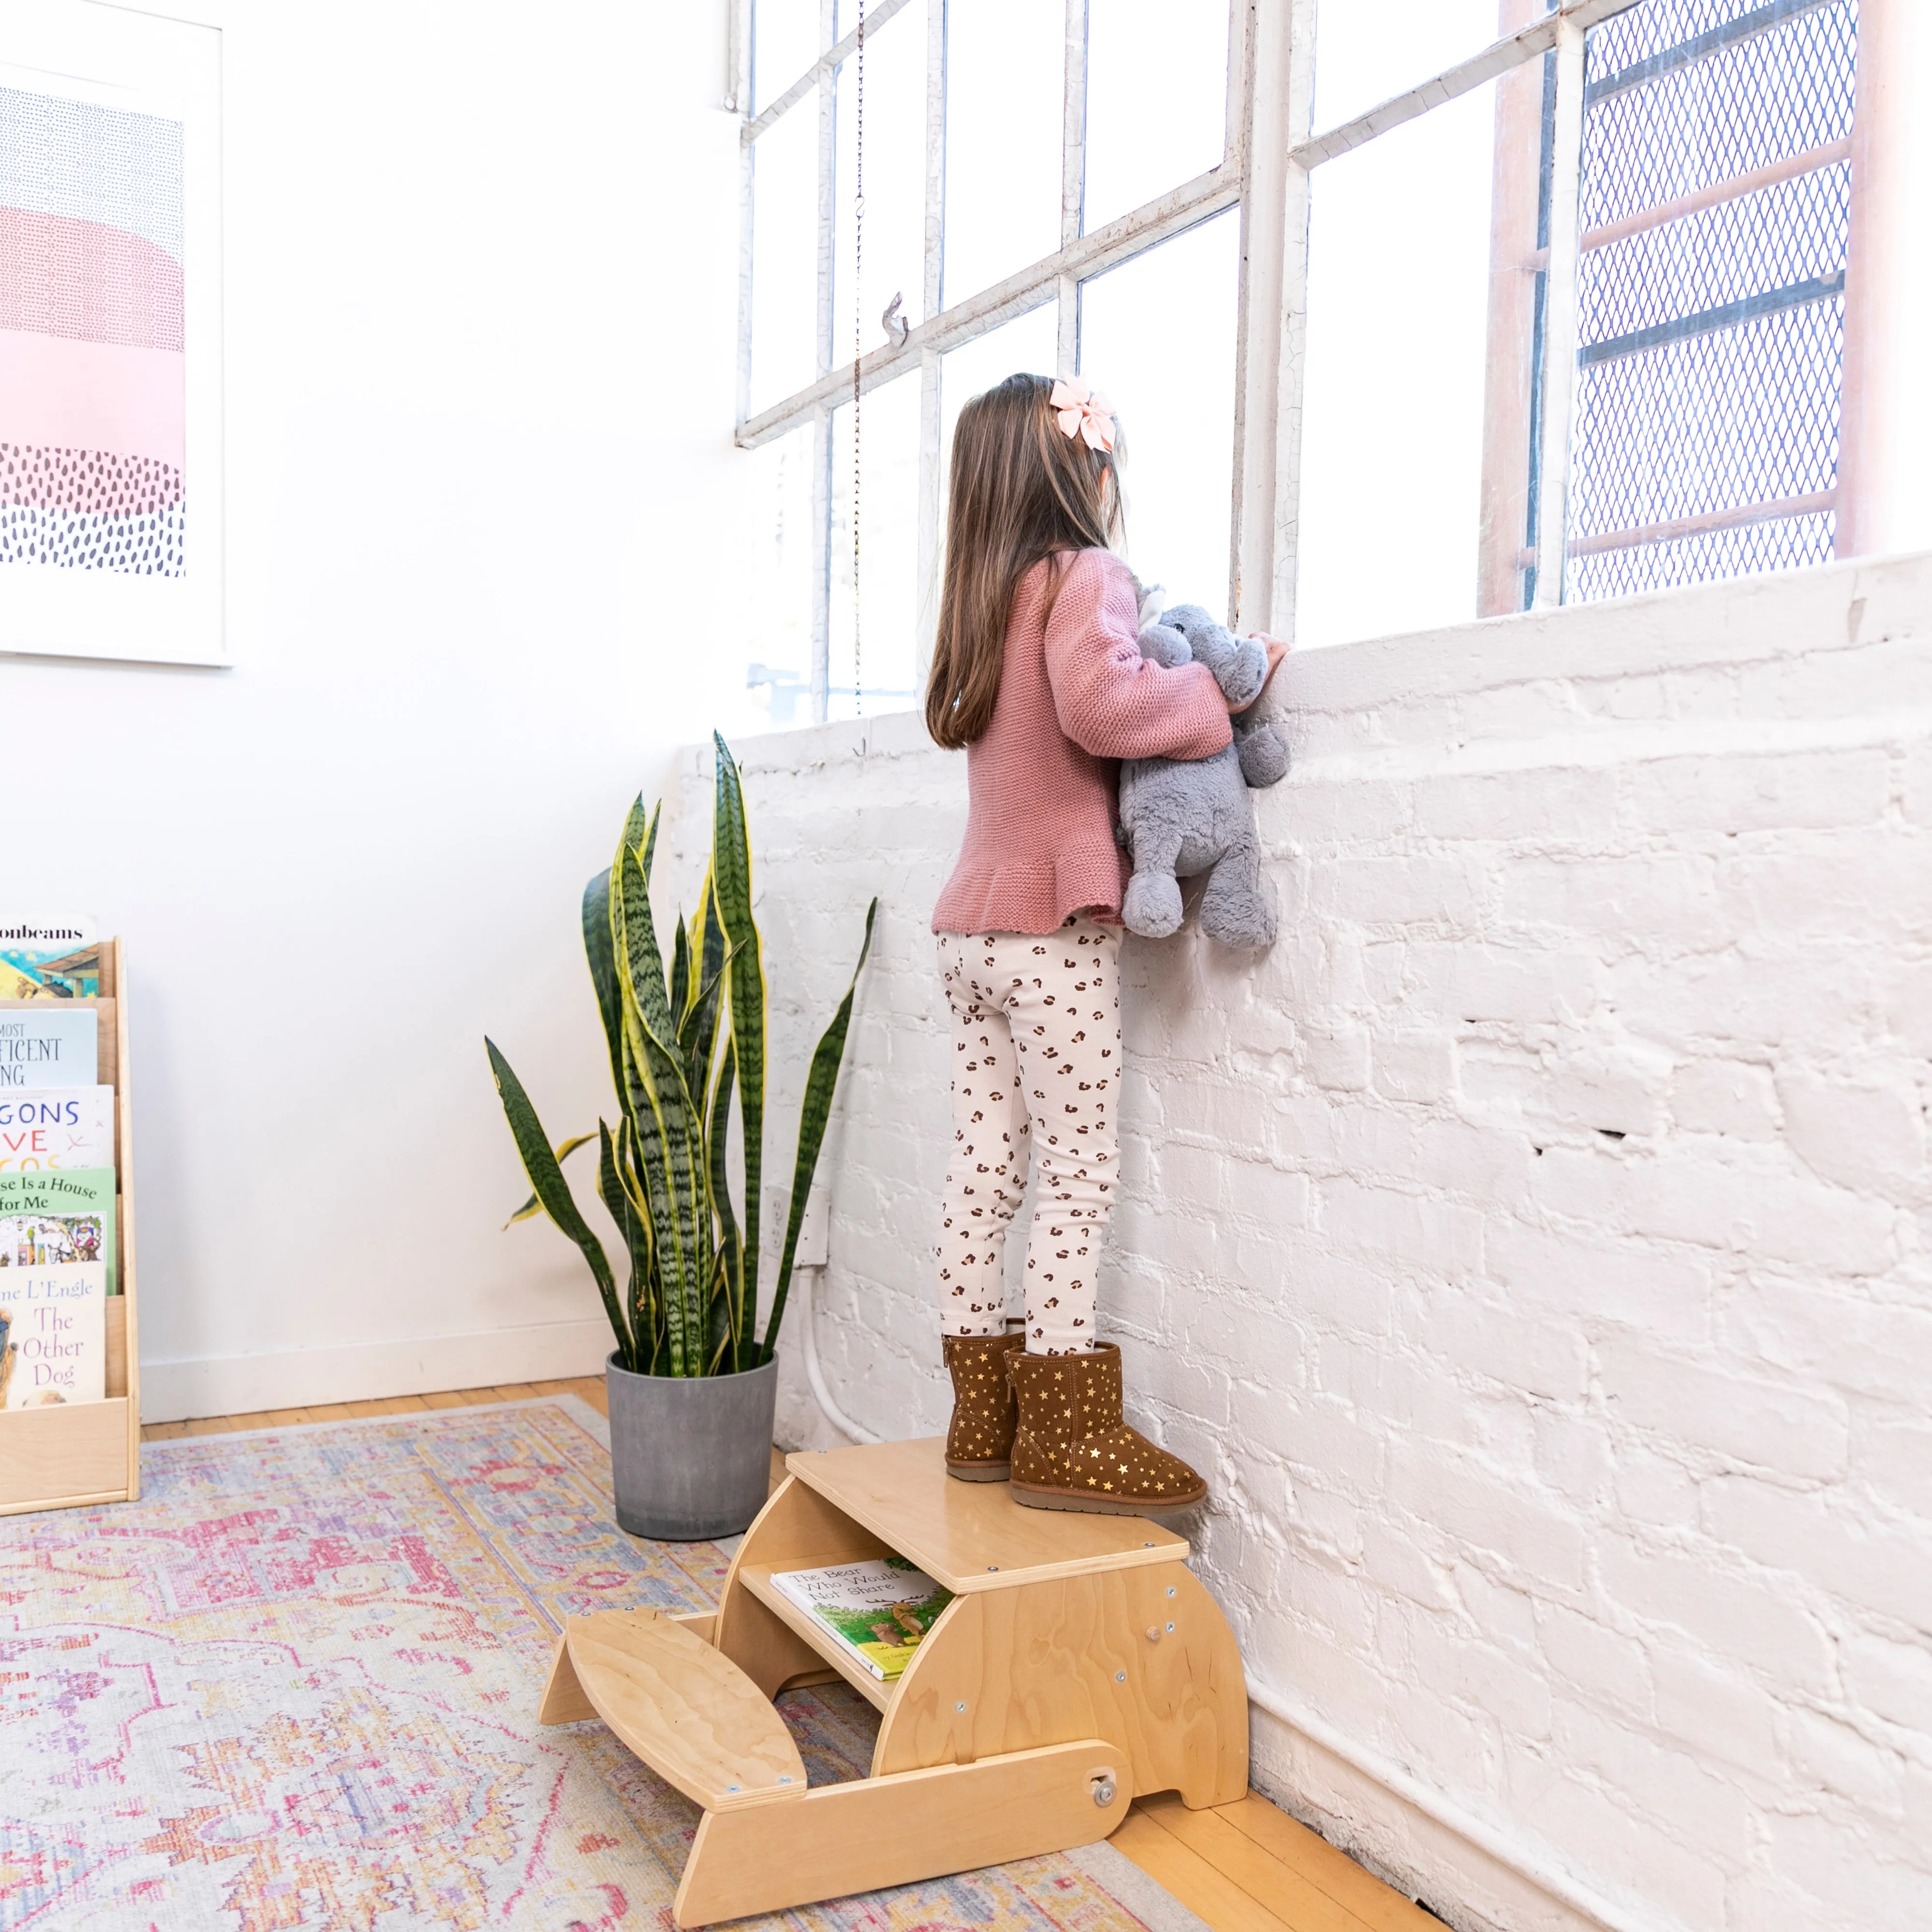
<point x="121" y="60"/>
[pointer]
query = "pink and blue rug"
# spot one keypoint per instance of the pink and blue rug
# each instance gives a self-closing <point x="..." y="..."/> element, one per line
<point x="295" y="1685"/>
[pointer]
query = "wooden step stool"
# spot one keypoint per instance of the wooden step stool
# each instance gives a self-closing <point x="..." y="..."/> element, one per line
<point x="1081" y="1664"/>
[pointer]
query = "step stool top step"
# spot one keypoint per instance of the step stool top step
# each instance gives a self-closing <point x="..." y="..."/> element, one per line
<point x="973" y="1536"/>
<point x="687" y="1710"/>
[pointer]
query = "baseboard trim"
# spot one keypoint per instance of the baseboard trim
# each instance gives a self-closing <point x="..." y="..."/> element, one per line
<point x="1445" y="1812"/>
<point x="370" y="1371"/>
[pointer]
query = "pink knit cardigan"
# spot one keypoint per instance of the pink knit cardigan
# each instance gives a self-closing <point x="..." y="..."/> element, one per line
<point x="1076" y="697"/>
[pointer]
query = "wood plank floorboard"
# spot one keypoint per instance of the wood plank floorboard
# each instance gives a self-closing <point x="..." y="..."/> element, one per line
<point x="1241" y="1868"/>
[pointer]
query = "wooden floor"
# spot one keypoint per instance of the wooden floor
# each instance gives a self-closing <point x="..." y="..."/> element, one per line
<point x="1242" y="1867"/>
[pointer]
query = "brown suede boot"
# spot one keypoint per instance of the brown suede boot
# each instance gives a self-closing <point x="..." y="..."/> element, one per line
<point x="979" y="1442"/>
<point x="1072" y="1450"/>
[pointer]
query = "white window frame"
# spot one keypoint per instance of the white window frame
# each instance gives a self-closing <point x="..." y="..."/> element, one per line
<point x="1270" y="154"/>
<point x="1056" y="278"/>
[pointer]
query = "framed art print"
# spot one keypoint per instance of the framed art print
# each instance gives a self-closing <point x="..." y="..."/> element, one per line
<point x="111" y="522"/>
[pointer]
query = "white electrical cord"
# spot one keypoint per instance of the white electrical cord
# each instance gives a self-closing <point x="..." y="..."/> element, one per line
<point x="806" y="1279"/>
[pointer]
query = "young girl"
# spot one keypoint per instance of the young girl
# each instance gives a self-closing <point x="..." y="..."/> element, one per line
<point x="1037" y="672"/>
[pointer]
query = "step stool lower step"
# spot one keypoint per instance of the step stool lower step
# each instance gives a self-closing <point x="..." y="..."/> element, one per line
<point x="686" y="1709"/>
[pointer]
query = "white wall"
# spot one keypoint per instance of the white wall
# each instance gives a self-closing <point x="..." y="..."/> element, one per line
<point x="1531" y="1249"/>
<point x="481" y="265"/>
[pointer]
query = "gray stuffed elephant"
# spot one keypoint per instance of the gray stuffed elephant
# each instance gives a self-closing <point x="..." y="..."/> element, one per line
<point x="1182" y="817"/>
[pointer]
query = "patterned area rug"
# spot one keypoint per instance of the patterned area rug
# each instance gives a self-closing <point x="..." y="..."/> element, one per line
<point x="296" y="1685"/>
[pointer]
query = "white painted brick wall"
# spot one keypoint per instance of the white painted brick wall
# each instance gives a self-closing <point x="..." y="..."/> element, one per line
<point x="1531" y="1248"/>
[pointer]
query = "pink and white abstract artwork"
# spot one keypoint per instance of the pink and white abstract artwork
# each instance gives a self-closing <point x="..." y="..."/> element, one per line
<point x="93" y="348"/>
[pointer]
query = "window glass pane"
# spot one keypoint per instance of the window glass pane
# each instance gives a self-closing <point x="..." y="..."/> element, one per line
<point x="784" y="255"/>
<point x="1707" y="395"/>
<point x="1368" y="50"/>
<point x="1028" y="345"/>
<point x="1156" y="99"/>
<point x="886" y="673"/>
<point x="1392" y="471"/>
<point x="778" y="559"/>
<point x="1004" y="112"/>
<point x="1157" y="340"/>
<point x="894" y="229"/>
<point x="784" y="42"/>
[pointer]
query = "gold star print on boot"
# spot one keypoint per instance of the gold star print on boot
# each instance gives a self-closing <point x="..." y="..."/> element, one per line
<point x="979" y="1440"/>
<point x="1072" y="1449"/>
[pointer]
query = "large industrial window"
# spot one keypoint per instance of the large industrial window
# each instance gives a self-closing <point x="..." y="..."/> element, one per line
<point x="1408" y="324"/>
<point x="1047" y="187"/>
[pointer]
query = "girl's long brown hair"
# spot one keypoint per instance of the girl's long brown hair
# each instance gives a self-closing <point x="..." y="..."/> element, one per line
<point x="1021" y="490"/>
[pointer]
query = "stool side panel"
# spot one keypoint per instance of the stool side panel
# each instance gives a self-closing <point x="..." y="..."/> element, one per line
<point x="842" y="1839"/>
<point x="1047" y="1662"/>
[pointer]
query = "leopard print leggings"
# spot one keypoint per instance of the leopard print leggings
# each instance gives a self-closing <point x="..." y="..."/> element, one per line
<point x="1036" y="1069"/>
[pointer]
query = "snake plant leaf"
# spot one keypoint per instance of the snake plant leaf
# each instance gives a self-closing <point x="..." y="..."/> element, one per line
<point x="662" y="1117"/>
<point x="596" y="917"/>
<point x="680" y="972"/>
<point x="669" y="1127"/>
<point x="708" y="936"/>
<point x="634" y="1226"/>
<point x="813" y="1115"/>
<point x="745" y="979"/>
<point x="546" y="1176"/>
<point x="648" y="1314"/>
<point x="564" y="1149"/>
<point x="730" y="1257"/>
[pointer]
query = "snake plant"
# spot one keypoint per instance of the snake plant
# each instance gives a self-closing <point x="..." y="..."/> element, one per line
<point x="686" y="1040"/>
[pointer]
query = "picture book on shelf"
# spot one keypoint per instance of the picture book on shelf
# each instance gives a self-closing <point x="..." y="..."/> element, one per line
<point x="56" y="1217"/>
<point x="53" y="1335"/>
<point x="48" y="958"/>
<point x="55" y="1126"/>
<point x="48" y="1045"/>
<point x="879" y="1610"/>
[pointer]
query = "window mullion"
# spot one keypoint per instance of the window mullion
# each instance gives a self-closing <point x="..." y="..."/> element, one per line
<point x="931" y="482"/>
<point x="1287" y="72"/>
<point x="821" y="416"/>
<point x="1559" y="341"/>
<point x="1072" y="179"/>
<point x="1256" y="150"/>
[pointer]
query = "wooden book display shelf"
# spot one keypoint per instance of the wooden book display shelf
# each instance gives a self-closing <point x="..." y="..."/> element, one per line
<point x="65" y="1457"/>
<point x="1081" y="1664"/>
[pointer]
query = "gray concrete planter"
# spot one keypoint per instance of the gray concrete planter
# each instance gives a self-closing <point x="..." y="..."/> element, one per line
<point x="690" y="1456"/>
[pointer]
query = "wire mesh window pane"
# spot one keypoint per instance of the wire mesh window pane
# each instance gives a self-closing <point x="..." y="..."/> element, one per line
<point x="784" y="255"/>
<point x="885" y="673"/>
<point x="894" y="254"/>
<point x="1366" y="51"/>
<point x="1004" y="117"/>
<point x="1157" y="100"/>
<point x="1394" y="397"/>
<point x="1710" y="341"/>
<point x="1157" y="340"/>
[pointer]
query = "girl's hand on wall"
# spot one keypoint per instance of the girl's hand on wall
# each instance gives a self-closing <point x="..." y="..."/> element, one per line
<point x="1276" y="650"/>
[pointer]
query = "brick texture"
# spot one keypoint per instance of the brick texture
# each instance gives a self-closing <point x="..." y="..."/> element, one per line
<point x="1531" y="1248"/>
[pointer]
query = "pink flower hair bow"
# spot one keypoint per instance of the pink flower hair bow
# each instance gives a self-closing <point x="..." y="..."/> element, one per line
<point x="1084" y="412"/>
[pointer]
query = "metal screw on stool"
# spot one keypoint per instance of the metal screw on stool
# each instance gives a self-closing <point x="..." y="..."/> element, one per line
<point x="1119" y="1677"/>
<point x="959" y="1707"/>
<point x="1103" y="1789"/>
